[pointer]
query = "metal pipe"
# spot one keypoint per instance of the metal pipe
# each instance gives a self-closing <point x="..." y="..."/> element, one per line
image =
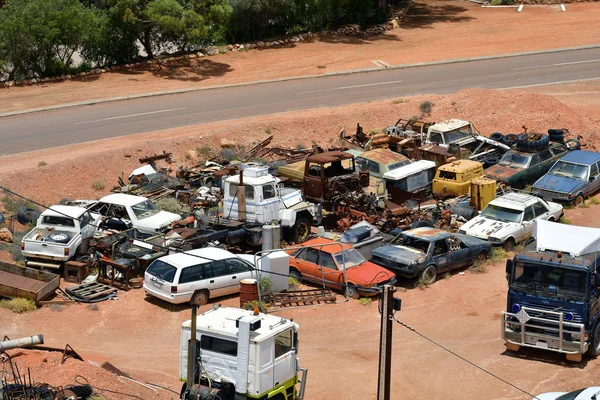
<point x="241" y="198"/>
<point x="23" y="342"/>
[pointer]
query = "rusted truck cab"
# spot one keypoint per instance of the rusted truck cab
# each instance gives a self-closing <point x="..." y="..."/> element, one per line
<point x="329" y="175"/>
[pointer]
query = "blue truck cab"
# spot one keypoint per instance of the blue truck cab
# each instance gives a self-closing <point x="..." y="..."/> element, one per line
<point x="553" y="294"/>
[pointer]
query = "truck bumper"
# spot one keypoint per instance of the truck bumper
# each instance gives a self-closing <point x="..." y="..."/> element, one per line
<point x="552" y="333"/>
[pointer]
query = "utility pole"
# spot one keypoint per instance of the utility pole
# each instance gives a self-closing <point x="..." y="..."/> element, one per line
<point x="388" y="304"/>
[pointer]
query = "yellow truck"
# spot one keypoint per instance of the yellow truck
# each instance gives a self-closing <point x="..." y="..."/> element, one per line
<point x="454" y="179"/>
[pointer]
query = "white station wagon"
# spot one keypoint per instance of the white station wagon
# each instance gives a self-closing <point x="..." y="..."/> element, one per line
<point x="196" y="276"/>
<point x="508" y="219"/>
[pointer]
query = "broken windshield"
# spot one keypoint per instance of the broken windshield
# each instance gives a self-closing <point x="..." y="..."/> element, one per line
<point x="351" y="258"/>
<point x="144" y="209"/>
<point x="515" y="160"/>
<point x="502" y="214"/>
<point x="414" y="243"/>
<point x="550" y="280"/>
<point x="570" y="170"/>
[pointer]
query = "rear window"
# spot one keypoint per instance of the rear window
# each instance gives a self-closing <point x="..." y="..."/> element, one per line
<point x="162" y="270"/>
<point x="218" y="345"/>
<point x="62" y="221"/>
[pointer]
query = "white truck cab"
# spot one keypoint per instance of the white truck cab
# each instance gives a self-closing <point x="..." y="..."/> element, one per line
<point x="267" y="201"/>
<point x="241" y="354"/>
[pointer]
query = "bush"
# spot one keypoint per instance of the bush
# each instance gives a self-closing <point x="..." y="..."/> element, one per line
<point x="426" y="107"/>
<point x="42" y="164"/>
<point x="173" y="205"/>
<point x="265" y="285"/>
<point x="204" y="151"/>
<point x="292" y="281"/>
<point x="498" y="254"/>
<point x="18" y="305"/>
<point x="98" y="185"/>
<point x="13" y="204"/>
<point x="365" y="301"/>
<point x="228" y="154"/>
<point x="16" y="253"/>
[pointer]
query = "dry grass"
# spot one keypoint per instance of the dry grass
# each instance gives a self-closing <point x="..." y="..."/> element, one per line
<point x="98" y="185"/>
<point x="365" y="301"/>
<point x="18" y="305"/>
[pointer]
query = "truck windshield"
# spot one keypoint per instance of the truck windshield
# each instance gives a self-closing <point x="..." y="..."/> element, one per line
<point x="414" y="243"/>
<point x="549" y="279"/>
<point x="502" y="214"/>
<point x="351" y="258"/>
<point x="144" y="209"/>
<point x="452" y="136"/>
<point x="514" y="159"/>
<point x="570" y="170"/>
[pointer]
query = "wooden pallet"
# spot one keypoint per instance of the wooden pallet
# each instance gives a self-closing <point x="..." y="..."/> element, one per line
<point x="90" y="291"/>
<point x="302" y="297"/>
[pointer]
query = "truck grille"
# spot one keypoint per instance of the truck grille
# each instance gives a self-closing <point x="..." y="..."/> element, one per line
<point x="537" y="314"/>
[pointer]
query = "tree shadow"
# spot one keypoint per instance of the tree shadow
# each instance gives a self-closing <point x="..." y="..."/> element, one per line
<point x="424" y="15"/>
<point x="191" y="71"/>
<point x="351" y="39"/>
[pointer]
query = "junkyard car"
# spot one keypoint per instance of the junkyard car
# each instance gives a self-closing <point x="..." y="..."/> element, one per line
<point x="425" y="252"/>
<point x="571" y="179"/>
<point x="134" y="211"/>
<point x="509" y="219"/>
<point x="326" y="262"/>
<point x="380" y="161"/>
<point x="590" y="393"/>
<point x="520" y="168"/>
<point x="196" y="276"/>
<point x="454" y="179"/>
<point x="412" y="181"/>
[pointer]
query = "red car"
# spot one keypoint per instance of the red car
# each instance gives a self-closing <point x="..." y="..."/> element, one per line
<point x="322" y="261"/>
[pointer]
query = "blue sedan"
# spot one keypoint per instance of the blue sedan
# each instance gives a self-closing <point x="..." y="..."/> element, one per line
<point x="425" y="252"/>
<point x="571" y="179"/>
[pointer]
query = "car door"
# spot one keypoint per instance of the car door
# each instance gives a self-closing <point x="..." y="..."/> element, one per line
<point x="594" y="180"/>
<point x="191" y="279"/>
<point x="541" y="211"/>
<point x="330" y="274"/>
<point x="219" y="279"/>
<point x="460" y="254"/>
<point x="527" y="225"/>
<point x="441" y="255"/>
<point x="546" y="159"/>
<point x="238" y="270"/>
<point x="306" y="261"/>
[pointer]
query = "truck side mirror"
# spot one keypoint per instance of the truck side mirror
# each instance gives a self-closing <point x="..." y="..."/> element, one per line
<point x="509" y="266"/>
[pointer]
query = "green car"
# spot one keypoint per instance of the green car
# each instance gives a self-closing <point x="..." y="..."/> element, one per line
<point x="518" y="168"/>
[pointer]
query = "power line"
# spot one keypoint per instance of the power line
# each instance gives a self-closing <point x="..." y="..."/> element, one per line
<point x="465" y="360"/>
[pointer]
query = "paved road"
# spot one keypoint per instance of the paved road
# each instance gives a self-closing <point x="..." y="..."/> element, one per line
<point x="74" y="125"/>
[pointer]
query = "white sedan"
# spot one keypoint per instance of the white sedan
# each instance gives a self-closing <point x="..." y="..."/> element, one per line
<point x="590" y="393"/>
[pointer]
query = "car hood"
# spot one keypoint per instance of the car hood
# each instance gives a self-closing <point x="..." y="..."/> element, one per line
<point x="557" y="183"/>
<point x="368" y="273"/>
<point x="483" y="228"/>
<point x="500" y="172"/>
<point x="398" y="254"/>
<point x="157" y="221"/>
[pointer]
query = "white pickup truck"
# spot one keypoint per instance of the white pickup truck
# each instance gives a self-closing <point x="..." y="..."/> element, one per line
<point x="58" y="235"/>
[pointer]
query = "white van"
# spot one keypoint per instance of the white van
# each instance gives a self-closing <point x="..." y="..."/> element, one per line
<point x="196" y="276"/>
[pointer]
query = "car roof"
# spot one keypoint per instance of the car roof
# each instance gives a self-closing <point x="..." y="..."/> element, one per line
<point x="459" y="166"/>
<point x="427" y="233"/>
<point x="581" y="157"/>
<point x="515" y="200"/>
<point x="64" y="211"/>
<point x="331" y="248"/>
<point x="409" y="169"/>
<point x="449" y="125"/>
<point x="383" y="156"/>
<point x="122" y="199"/>
<point x="197" y="256"/>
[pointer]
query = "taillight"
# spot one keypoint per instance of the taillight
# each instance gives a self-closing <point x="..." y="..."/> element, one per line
<point x="22" y="245"/>
<point x="173" y="289"/>
<point x="66" y="251"/>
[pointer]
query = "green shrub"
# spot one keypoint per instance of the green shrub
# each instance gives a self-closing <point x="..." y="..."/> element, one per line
<point x="42" y="164"/>
<point x="204" y="151"/>
<point x="594" y="201"/>
<point x="98" y="185"/>
<point x="292" y="281"/>
<point x="265" y="285"/>
<point x="173" y="205"/>
<point x="365" y="301"/>
<point x="498" y="254"/>
<point x="228" y="154"/>
<point x="13" y="204"/>
<point x="16" y="253"/>
<point x="426" y="107"/>
<point x="566" y="221"/>
<point x="18" y="305"/>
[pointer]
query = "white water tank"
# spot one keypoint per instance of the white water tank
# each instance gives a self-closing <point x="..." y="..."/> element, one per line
<point x="279" y="263"/>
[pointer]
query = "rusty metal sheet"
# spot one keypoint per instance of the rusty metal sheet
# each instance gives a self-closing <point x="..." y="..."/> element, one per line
<point x="500" y="172"/>
<point x="330" y="156"/>
<point x="461" y="166"/>
<point x="429" y="233"/>
<point x="383" y="156"/>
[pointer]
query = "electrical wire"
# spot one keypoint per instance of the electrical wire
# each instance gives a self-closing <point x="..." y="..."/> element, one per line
<point x="101" y="390"/>
<point x="464" y="359"/>
<point x="162" y="387"/>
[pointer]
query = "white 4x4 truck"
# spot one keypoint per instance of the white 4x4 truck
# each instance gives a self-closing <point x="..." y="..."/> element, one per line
<point x="232" y="354"/>
<point x="58" y="236"/>
<point x="254" y="198"/>
<point x="509" y="219"/>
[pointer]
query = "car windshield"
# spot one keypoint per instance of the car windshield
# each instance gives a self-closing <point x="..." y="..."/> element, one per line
<point x="571" y="395"/>
<point x="456" y="135"/>
<point x="398" y="164"/>
<point x="349" y="258"/>
<point x="502" y="214"/>
<point x="413" y="243"/>
<point x="550" y="280"/>
<point x="570" y="170"/>
<point x="162" y="270"/>
<point x="144" y="209"/>
<point x="515" y="159"/>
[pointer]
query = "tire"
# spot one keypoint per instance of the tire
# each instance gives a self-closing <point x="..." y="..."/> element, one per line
<point x="556" y="132"/>
<point x="557" y="138"/>
<point x="294" y="273"/>
<point x="573" y="144"/>
<point x="481" y="257"/>
<point x="300" y="231"/>
<point x="531" y="145"/>
<point x="594" y="349"/>
<point x="509" y="245"/>
<point x="422" y="223"/>
<point x="510" y="139"/>
<point x="579" y="199"/>
<point x="490" y="161"/>
<point x="59" y="238"/>
<point x="352" y="292"/>
<point x="464" y="210"/>
<point x="199" y="298"/>
<point x="429" y="275"/>
<point x="27" y="216"/>
<point x="497" y="136"/>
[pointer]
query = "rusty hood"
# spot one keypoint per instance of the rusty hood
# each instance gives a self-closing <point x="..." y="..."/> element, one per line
<point x="500" y="172"/>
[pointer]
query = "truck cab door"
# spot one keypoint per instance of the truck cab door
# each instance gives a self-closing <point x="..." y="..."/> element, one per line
<point x="314" y="181"/>
<point x="284" y="363"/>
<point x="270" y="202"/>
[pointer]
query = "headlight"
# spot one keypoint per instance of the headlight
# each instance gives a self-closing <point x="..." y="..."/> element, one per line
<point x="495" y="240"/>
<point x="575" y="336"/>
<point x="417" y="261"/>
<point x="515" y="308"/>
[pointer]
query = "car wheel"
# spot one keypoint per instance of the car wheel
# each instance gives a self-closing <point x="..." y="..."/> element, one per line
<point x="27" y="216"/>
<point x="429" y="275"/>
<point x="352" y="292"/>
<point x="497" y="136"/>
<point x="578" y="200"/>
<point x="551" y="219"/>
<point x="594" y="349"/>
<point x="573" y="144"/>
<point x="199" y="298"/>
<point x="510" y="139"/>
<point x="294" y="273"/>
<point x="300" y="230"/>
<point x="509" y="245"/>
<point x="481" y="257"/>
